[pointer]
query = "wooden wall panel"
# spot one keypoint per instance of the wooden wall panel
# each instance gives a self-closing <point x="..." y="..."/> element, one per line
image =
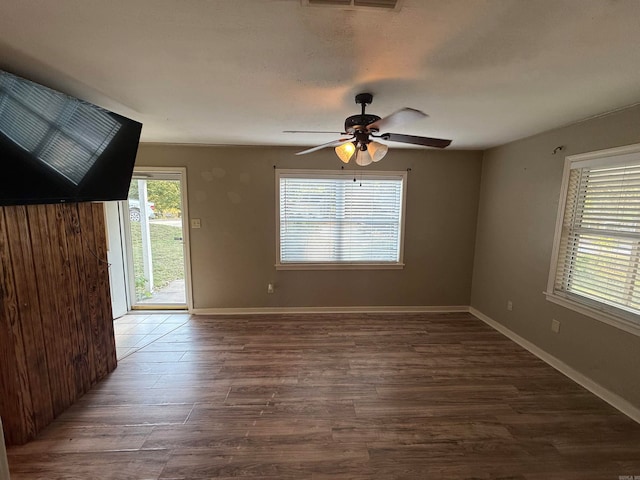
<point x="39" y="410"/>
<point x="11" y="395"/>
<point x="50" y="304"/>
<point x="56" y="327"/>
<point x="82" y="333"/>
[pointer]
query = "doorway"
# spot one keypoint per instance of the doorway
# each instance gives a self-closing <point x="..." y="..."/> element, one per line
<point x="156" y="237"/>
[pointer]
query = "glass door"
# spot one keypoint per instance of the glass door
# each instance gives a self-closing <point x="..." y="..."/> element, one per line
<point x="157" y="241"/>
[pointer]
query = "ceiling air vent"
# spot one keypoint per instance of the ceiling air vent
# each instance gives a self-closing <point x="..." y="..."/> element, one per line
<point x="355" y="4"/>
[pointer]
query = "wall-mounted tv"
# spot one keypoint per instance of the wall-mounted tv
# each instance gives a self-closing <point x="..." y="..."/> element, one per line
<point x="55" y="148"/>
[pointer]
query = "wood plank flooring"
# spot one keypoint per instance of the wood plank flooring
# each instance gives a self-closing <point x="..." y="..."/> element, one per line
<point x="411" y="396"/>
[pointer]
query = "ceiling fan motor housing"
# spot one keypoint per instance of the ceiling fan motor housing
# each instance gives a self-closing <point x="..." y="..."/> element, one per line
<point x="356" y="123"/>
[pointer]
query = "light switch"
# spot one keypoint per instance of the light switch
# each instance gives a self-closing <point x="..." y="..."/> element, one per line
<point x="195" y="223"/>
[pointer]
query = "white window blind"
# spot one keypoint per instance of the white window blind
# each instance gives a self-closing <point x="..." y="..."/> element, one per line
<point x="599" y="246"/>
<point x="328" y="218"/>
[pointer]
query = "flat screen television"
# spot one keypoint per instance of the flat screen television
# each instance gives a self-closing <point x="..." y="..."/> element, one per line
<point x="56" y="148"/>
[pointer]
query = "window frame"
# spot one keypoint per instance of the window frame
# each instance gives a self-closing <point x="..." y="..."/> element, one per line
<point x="619" y="318"/>
<point x="376" y="174"/>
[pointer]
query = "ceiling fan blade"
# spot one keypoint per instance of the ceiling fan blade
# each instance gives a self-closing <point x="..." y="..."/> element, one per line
<point x="425" y="141"/>
<point x="335" y="143"/>
<point x="312" y="131"/>
<point x="397" y="119"/>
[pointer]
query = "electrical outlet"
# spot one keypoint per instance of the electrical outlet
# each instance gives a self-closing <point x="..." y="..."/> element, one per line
<point x="509" y="305"/>
<point x="555" y="325"/>
<point x="270" y="288"/>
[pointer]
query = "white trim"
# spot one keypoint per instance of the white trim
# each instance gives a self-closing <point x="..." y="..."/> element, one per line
<point x="595" y="313"/>
<point x="125" y="238"/>
<point x="276" y="196"/>
<point x="562" y="203"/>
<point x="186" y="236"/>
<point x="625" y="154"/>
<point x="339" y="266"/>
<point x="116" y="255"/>
<point x="125" y="221"/>
<point x="337" y="309"/>
<point x="403" y="216"/>
<point x="169" y="173"/>
<point x="613" y="399"/>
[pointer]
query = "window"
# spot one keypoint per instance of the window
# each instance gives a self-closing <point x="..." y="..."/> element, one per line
<point x="596" y="260"/>
<point x="328" y="220"/>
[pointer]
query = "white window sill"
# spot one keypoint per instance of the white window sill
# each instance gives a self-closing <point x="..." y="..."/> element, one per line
<point x="339" y="266"/>
<point x="590" y="311"/>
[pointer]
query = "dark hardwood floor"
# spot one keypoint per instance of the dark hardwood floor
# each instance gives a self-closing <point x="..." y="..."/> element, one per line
<point x="424" y="396"/>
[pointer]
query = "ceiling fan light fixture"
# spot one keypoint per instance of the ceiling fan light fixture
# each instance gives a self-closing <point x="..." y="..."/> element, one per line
<point x="377" y="151"/>
<point x="363" y="158"/>
<point x="345" y="151"/>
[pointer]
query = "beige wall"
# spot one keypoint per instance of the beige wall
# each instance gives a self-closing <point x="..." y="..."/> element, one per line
<point x="516" y="221"/>
<point x="232" y="190"/>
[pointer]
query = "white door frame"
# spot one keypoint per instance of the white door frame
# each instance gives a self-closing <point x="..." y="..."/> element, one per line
<point x="157" y="173"/>
<point x="116" y="248"/>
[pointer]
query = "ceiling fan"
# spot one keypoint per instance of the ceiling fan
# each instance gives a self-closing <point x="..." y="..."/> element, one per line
<point x="363" y="127"/>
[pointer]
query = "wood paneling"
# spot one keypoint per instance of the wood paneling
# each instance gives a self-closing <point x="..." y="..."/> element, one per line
<point x="389" y="396"/>
<point x="56" y="327"/>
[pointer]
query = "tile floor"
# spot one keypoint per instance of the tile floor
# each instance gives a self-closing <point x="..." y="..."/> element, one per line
<point x="138" y="329"/>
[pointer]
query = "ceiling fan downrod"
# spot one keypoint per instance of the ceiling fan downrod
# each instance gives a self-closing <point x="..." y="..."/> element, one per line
<point x="364" y="99"/>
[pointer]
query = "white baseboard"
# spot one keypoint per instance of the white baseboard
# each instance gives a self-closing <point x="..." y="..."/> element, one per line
<point x="613" y="399"/>
<point x="362" y="309"/>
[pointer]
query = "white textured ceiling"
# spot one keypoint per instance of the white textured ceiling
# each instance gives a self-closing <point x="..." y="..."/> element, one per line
<point x="240" y="72"/>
